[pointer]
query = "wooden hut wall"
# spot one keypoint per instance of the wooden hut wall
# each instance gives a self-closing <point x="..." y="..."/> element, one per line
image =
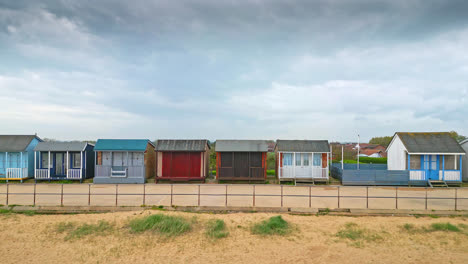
<point x="150" y="160"/>
<point x="241" y="165"/>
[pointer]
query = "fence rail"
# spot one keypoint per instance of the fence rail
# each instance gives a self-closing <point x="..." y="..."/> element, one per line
<point x="348" y="197"/>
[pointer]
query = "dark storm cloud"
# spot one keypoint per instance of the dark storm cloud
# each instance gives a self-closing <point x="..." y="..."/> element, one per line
<point x="234" y="64"/>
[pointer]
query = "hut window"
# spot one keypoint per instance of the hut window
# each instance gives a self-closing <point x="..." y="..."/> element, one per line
<point x="76" y="157"/>
<point x="298" y="159"/>
<point x="45" y="160"/>
<point x="305" y="159"/>
<point x="226" y="159"/>
<point x="317" y="159"/>
<point x="415" y="162"/>
<point x="287" y="159"/>
<point x="449" y="162"/>
<point x="99" y="158"/>
<point x="2" y="160"/>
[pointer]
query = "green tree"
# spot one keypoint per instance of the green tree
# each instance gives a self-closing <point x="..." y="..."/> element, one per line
<point x="457" y="136"/>
<point x="384" y="141"/>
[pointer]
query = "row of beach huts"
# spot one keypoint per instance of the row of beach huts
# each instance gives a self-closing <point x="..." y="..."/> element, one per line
<point x="424" y="157"/>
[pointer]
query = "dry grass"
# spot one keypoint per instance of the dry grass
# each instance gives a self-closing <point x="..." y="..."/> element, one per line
<point x="317" y="239"/>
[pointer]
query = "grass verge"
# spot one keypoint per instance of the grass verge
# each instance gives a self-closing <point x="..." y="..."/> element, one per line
<point x="216" y="229"/>
<point x="162" y="224"/>
<point x="276" y="225"/>
<point x="436" y="227"/>
<point x="356" y="235"/>
<point x="78" y="231"/>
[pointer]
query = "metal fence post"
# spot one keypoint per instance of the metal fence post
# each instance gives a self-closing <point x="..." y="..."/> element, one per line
<point x="89" y="194"/>
<point x="338" y="196"/>
<point x="198" y="194"/>
<point x="426" y="198"/>
<point x="171" y="193"/>
<point x="61" y="196"/>
<point x="116" y="193"/>
<point x="253" y="197"/>
<point x="396" y="197"/>
<point x="7" y="188"/>
<point x="456" y="198"/>
<point x="226" y="196"/>
<point x="144" y="194"/>
<point x="310" y="196"/>
<point x="34" y="199"/>
<point x="367" y="197"/>
<point x="281" y="195"/>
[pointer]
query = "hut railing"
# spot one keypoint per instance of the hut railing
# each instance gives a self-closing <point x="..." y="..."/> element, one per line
<point x="74" y="174"/>
<point x="42" y="174"/>
<point x="119" y="171"/>
<point x="16" y="173"/>
<point x="313" y="172"/>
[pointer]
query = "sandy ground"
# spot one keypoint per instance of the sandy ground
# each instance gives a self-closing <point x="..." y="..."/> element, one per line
<point x="34" y="239"/>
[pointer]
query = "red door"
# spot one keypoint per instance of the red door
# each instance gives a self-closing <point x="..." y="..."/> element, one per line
<point x="181" y="164"/>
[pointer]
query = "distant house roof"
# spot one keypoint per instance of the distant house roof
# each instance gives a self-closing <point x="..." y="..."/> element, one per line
<point x="303" y="145"/>
<point x="181" y="144"/>
<point x="430" y="142"/>
<point x="15" y="143"/>
<point x="241" y="145"/>
<point x="369" y="152"/>
<point x="60" y="146"/>
<point x="464" y="141"/>
<point x="122" y="144"/>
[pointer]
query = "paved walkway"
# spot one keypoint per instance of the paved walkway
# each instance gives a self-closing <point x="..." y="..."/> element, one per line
<point x="235" y="196"/>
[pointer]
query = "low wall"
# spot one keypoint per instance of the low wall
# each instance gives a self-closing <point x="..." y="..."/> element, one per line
<point x="369" y="177"/>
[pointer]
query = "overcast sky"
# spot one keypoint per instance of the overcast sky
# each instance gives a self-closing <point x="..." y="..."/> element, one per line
<point x="233" y="69"/>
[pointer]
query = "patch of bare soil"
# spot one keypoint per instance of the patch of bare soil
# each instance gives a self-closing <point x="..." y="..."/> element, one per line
<point x="35" y="239"/>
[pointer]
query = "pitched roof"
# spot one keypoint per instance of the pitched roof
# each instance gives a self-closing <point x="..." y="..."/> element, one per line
<point x="181" y="144"/>
<point x="464" y="141"/>
<point x="60" y="146"/>
<point x="303" y="145"/>
<point x="15" y="143"/>
<point x="122" y="144"/>
<point x="241" y="145"/>
<point x="430" y="142"/>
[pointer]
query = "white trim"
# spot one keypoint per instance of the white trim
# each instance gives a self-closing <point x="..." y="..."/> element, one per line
<point x="424" y="153"/>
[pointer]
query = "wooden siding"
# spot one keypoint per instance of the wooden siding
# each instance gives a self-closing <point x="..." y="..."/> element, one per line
<point x="241" y="165"/>
<point x="182" y="164"/>
<point x="150" y="161"/>
<point x="396" y="155"/>
<point x="465" y="162"/>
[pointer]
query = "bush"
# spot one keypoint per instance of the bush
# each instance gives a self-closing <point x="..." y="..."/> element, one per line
<point x="276" y="225"/>
<point x="271" y="172"/>
<point x="372" y="160"/>
<point x="216" y="229"/>
<point x="162" y="224"/>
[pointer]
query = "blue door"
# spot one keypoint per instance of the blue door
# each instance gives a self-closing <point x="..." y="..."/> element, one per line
<point x="431" y="166"/>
